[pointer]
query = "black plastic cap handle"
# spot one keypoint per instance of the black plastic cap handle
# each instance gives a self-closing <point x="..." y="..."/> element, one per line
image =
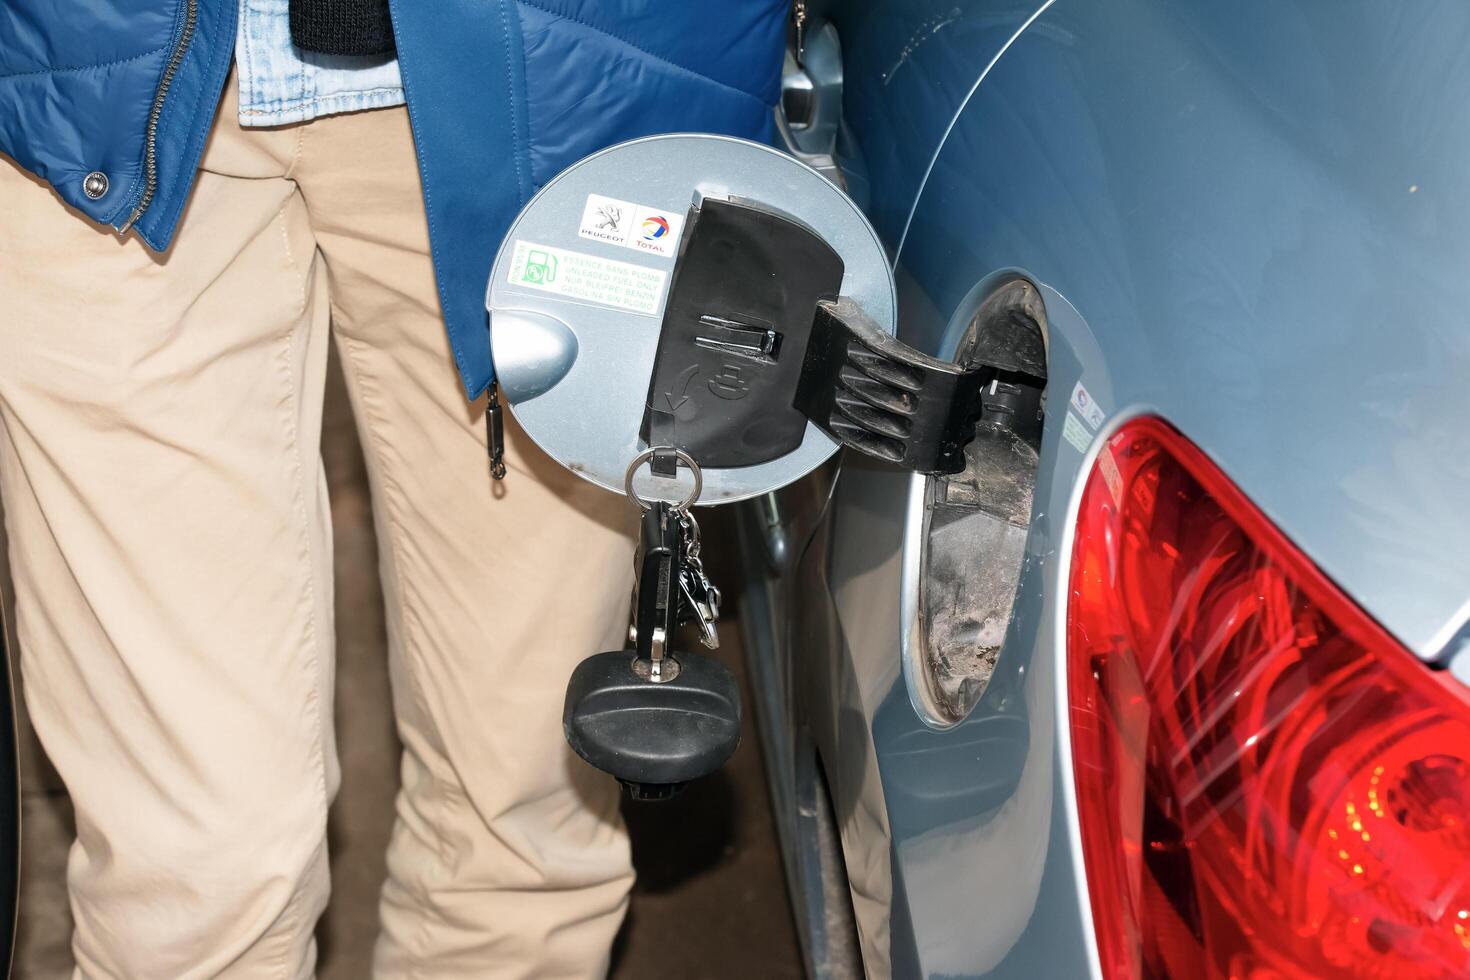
<point x="649" y="733"/>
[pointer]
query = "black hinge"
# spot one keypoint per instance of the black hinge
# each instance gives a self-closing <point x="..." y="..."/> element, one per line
<point x="874" y="393"/>
<point x="756" y="342"/>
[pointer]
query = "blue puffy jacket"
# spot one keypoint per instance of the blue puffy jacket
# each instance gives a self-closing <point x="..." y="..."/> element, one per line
<point x="502" y="95"/>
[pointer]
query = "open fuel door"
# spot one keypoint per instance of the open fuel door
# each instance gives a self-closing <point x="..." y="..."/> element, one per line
<point x="719" y="297"/>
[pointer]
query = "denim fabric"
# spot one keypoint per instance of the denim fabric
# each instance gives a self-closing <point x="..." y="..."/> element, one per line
<point x="280" y="83"/>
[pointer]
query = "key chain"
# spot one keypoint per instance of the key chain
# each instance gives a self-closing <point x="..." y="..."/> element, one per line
<point x="653" y="716"/>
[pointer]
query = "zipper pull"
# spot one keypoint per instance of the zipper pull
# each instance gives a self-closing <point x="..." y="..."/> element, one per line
<point x="495" y="432"/>
<point x="798" y="16"/>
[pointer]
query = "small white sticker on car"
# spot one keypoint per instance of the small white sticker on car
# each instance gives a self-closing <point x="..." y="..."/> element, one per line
<point x="1090" y="411"/>
<point x="1076" y="433"/>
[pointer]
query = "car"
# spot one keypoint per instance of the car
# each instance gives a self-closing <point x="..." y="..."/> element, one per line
<point x="1171" y="679"/>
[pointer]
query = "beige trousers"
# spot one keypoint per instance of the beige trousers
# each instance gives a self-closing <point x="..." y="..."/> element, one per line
<point x="169" y="531"/>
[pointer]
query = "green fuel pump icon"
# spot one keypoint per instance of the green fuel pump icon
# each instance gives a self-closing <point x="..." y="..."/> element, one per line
<point x="540" y="268"/>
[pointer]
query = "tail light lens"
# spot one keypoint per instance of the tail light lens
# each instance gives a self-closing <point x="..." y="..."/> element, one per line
<point x="1268" y="785"/>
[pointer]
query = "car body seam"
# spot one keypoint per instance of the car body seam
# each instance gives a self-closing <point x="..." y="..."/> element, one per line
<point x="949" y="127"/>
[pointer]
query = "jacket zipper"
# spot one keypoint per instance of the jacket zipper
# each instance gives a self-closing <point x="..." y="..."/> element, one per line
<point x="495" y="431"/>
<point x="798" y="19"/>
<point x="150" y="152"/>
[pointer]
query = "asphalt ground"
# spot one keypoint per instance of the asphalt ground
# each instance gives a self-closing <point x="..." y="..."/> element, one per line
<point x="710" y="902"/>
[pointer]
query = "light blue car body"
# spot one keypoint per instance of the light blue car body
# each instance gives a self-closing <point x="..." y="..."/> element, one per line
<point x="1248" y="218"/>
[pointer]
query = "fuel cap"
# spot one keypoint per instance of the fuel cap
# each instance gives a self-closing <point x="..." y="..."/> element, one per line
<point x="580" y="289"/>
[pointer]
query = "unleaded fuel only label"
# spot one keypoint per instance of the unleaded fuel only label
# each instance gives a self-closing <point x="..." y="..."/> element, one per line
<point x="587" y="278"/>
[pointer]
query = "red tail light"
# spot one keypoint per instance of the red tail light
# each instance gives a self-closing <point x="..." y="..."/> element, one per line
<point x="1268" y="785"/>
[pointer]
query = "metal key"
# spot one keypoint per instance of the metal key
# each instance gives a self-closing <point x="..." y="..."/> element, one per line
<point x="699" y="592"/>
<point x="701" y="599"/>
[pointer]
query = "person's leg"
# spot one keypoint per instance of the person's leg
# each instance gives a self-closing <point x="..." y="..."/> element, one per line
<point x="508" y="857"/>
<point x="170" y="543"/>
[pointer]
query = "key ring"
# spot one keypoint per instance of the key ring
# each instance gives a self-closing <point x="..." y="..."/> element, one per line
<point x="682" y="457"/>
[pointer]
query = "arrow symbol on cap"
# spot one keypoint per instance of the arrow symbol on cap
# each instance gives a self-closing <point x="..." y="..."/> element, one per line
<point x="681" y="384"/>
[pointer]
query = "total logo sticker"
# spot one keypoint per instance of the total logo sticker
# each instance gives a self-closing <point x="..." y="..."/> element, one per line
<point x="636" y="226"/>
<point x="655" y="227"/>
